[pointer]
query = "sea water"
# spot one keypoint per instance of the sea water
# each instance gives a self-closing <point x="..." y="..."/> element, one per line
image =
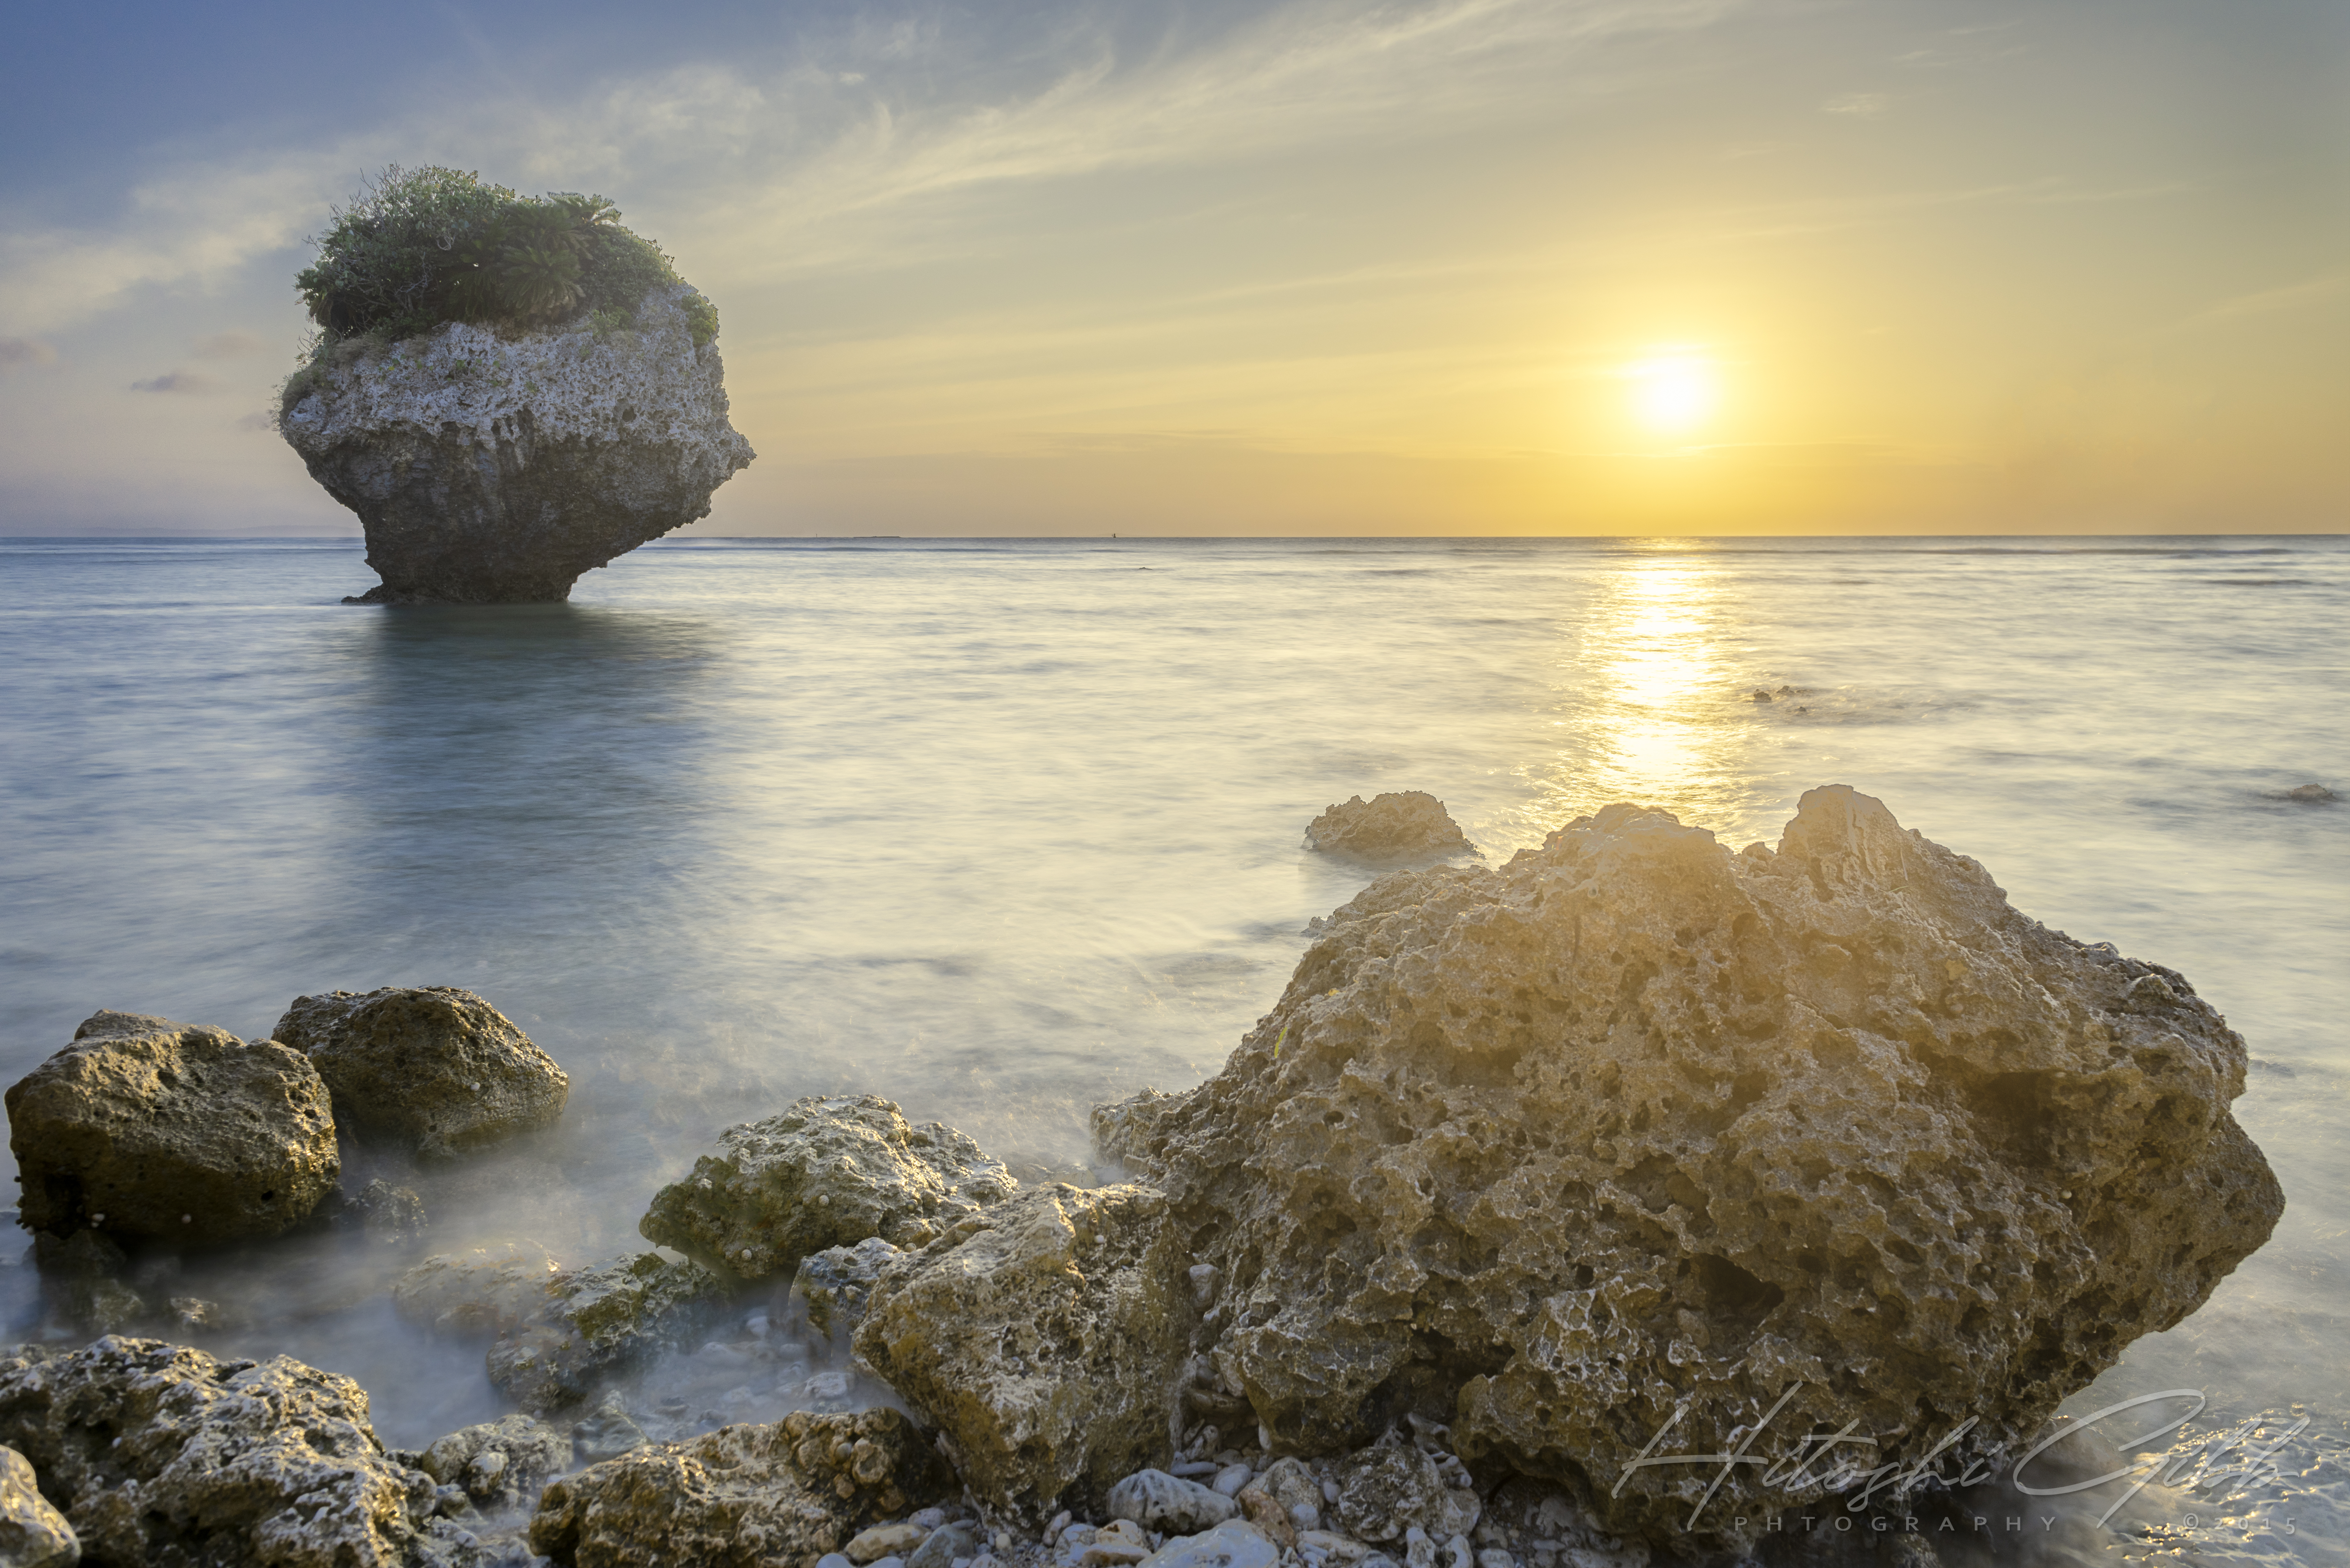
<point x="1004" y="829"/>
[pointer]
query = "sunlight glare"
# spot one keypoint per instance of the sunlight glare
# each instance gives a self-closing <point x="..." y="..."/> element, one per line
<point x="1674" y="392"/>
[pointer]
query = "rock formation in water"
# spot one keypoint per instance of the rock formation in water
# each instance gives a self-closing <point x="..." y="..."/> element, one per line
<point x="499" y="1465"/>
<point x="1397" y="825"/>
<point x="144" y="1128"/>
<point x="1042" y="1336"/>
<point x="1634" y="1132"/>
<point x="742" y="1497"/>
<point x="163" y="1454"/>
<point x="493" y="465"/>
<point x="435" y="1069"/>
<point x="33" y="1533"/>
<point x="590" y="1323"/>
<point x="829" y="1171"/>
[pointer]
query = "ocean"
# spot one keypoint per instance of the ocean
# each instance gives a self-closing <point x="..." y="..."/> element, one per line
<point x="1001" y="829"/>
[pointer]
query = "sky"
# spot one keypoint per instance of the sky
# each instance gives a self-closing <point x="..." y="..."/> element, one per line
<point x="1299" y="267"/>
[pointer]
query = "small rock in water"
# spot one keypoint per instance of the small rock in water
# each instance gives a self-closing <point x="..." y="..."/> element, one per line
<point x="607" y="1433"/>
<point x="1157" y="1501"/>
<point x="834" y="1284"/>
<point x="1390" y="826"/>
<point x="389" y="1214"/>
<point x="2309" y="795"/>
<point x="501" y="1463"/>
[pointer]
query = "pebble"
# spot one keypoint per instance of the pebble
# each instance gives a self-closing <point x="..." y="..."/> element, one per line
<point x="945" y="1544"/>
<point x="832" y="1559"/>
<point x="1157" y="1501"/>
<point x="1491" y="1557"/>
<point x="883" y="1541"/>
<point x="1230" y="1479"/>
<point x="1235" y="1543"/>
<point x="927" y="1518"/>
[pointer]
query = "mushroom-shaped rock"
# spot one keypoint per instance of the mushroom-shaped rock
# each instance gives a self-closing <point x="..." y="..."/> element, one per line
<point x="163" y="1454"/>
<point x="147" y="1127"/>
<point x="434" y="1069"/>
<point x="1042" y="1336"/>
<point x="1397" y="826"/>
<point x="830" y="1172"/>
<point x="741" y="1497"/>
<point x="1634" y="1131"/>
<point x="495" y="466"/>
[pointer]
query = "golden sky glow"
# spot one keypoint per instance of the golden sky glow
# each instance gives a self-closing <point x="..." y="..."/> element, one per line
<point x="1480" y="267"/>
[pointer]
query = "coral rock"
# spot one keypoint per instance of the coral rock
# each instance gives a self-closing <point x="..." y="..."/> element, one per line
<point x="1392" y="826"/>
<point x="147" y="1127"/>
<point x="486" y="1291"/>
<point x="500" y="1464"/>
<point x="493" y="467"/>
<point x="435" y="1069"/>
<point x="1168" y="1504"/>
<point x="594" y="1322"/>
<point x="741" y="1497"/>
<point x="1043" y="1337"/>
<point x="1634" y="1130"/>
<point x="828" y="1172"/>
<point x="834" y="1284"/>
<point x="33" y="1534"/>
<point x="163" y="1454"/>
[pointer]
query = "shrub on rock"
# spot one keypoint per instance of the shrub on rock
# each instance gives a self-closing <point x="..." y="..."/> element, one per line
<point x="434" y="1069"/>
<point x="1635" y="1131"/>
<point x="147" y="1127"/>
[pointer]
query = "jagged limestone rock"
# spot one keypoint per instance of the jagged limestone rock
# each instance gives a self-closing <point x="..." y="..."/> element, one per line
<point x="495" y="466"/>
<point x="501" y="1464"/>
<point x="434" y="1069"/>
<point x="33" y="1533"/>
<point x="163" y="1454"/>
<point x="1634" y="1130"/>
<point x="594" y="1322"/>
<point x="1395" y="825"/>
<point x="170" y="1131"/>
<point x="834" y="1284"/>
<point x="1043" y="1337"/>
<point x="486" y="1291"/>
<point x="741" y="1497"/>
<point x="829" y="1171"/>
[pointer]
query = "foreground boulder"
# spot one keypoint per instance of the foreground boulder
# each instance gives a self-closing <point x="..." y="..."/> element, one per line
<point x="1043" y="1337"/>
<point x="147" y="1127"/>
<point x="33" y="1534"/>
<point x="161" y="1454"/>
<point x="1635" y="1131"/>
<point x="589" y="1323"/>
<point x="434" y="1069"/>
<point x="830" y="1172"/>
<point x="741" y="1497"/>
<point x="1400" y="825"/>
<point x="494" y="467"/>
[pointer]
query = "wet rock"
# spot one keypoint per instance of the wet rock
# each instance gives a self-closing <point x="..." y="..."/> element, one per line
<point x="151" y="1128"/>
<point x="594" y="1322"/>
<point x="1391" y="1488"/>
<point x="500" y="1464"/>
<point x="494" y="467"/>
<point x="1633" y="1130"/>
<point x="1042" y="1336"/>
<point x="741" y="1496"/>
<point x="1392" y="826"/>
<point x="429" y="1068"/>
<point x="835" y="1284"/>
<point x="1168" y="1504"/>
<point x="830" y="1172"/>
<point x="485" y="1290"/>
<point x="163" y="1454"/>
<point x="1235" y="1543"/>
<point x="81" y="1278"/>
<point x="608" y="1432"/>
<point x="2307" y="794"/>
<point x="33" y="1534"/>
<point x="392" y="1215"/>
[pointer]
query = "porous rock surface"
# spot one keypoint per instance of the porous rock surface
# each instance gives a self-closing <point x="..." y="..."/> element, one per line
<point x="1168" y="1504"/>
<point x="1634" y="1130"/>
<point x="834" y="1285"/>
<point x="164" y="1455"/>
<point x="493" y="466"/>
<point x="501" y="1464"/>
<point x="1043" y="1337"/>
<point x="33" y="1533"/>
<point x="591" y="1322"/>
<point x="829" y="1171"/>
<point x="1390" y="826"/>
<point x="751" y="1496"/>
<point x="483" y="1291"/>
<point x="143" y="1126"/>
<point x="434" y="1069"/>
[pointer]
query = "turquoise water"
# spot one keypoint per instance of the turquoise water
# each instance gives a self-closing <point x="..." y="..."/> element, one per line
<point x="1004" y="829"/>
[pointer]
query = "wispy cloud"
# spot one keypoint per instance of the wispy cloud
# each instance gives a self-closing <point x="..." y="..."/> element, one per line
<point x="181" y="381"/>
<point x="17" y="352"/>
<point x="1859" y="105"/>
<point x="230" y="345"/>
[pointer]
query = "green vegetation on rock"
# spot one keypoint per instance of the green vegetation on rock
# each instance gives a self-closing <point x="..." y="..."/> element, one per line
<point x="417" y="247"/>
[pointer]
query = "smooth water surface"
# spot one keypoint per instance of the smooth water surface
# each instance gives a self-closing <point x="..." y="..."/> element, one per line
<point x="1004" y="829"/>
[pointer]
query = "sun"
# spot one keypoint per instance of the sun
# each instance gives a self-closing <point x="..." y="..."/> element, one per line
<point x="1674" y="390"/>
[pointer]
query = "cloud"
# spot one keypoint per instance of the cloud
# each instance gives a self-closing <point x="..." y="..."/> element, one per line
<point x="185" y="382"/>
<point x="259" y="419"/>
<point x="15" y="351"/>
<point x="230" y="344"/>
<point x="1859" y="105"/>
